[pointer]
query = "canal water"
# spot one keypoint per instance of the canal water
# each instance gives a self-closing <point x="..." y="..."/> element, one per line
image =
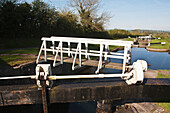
<point x="157" y="60"/>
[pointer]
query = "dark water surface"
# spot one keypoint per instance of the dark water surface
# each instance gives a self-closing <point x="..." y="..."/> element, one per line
<point x="156" y="59"/>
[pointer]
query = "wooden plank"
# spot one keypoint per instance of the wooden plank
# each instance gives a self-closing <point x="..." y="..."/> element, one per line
<point x="20" y="94"/>
<point x="110" y="89"/>
<point x="81" y="90"/>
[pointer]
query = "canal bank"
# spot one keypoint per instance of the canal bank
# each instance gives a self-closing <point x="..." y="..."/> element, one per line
<point x="157" y="50"/>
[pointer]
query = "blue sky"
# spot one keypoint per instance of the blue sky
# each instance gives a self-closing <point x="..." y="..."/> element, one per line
<point x="131" y="14"/>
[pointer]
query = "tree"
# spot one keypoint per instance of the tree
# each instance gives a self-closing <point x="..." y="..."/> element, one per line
<point x="88" y="13"/>
<point x="119" y="33"/>
<point x="8" y="18"/>
<point x="68" y="22"/>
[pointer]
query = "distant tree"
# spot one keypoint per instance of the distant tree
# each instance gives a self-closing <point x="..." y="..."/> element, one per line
<point x="119" y="33"/>
<point x="23" y="11"/>
<point x="44" y="18"/>
<point x="8" y="18"/>
<point x="136" y="32"/>
<point x="89" y="17"/>
<point x="68" y="22"/>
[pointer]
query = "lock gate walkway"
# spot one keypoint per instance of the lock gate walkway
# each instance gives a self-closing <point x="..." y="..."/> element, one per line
<point x="81" y="90"/>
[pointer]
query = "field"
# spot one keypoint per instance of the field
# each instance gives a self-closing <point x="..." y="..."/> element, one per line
<point x="160" y="46"/>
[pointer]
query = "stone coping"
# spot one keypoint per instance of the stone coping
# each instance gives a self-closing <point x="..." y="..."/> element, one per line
<point x="157" y="50"/>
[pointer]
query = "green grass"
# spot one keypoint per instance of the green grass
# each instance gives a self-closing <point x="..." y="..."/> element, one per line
<point x="21" y="51"/>
<point x="165" y="105"/>
<point x="12" y="63"/>
<point x="128" y="39"/>
<point x="10" y="58"/>
<point x="160" y="75"/>
<point x="160" y="46"/>
<point x="9" y="47"/>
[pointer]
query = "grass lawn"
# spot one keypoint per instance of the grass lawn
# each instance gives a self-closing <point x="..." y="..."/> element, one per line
<point x="128" y="39"/>
<point x="165" y="105"/>
<point x="13" y="48"/>
<point x="9" y="58"/>
<point x="160" y="46"/>
<point x="160" y="75"/>
<point x="16" y="56"/>
<point x="12" y="60"/>
<point x="21" y="51"/>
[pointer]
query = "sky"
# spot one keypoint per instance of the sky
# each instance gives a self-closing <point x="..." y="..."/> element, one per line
<point x="130" y="14"/>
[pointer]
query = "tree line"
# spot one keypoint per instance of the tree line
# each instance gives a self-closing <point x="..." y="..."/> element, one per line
<point x="37" y="19"/>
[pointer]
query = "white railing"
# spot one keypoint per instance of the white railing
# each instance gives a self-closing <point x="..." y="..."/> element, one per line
<point x="65" y="45"/>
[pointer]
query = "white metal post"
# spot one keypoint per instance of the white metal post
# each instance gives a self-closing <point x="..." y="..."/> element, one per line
<point x="149" y="44"/>
<point x="109" y="52"/>
<point x="129" y="55"/>
<point x="61" y="52"/>
<point x="39" y="54"/>
<point x="53" y="43"/>
<point x="80" y="54"/>
<point x="45" y="52"/>
<point x="124" y="59"/>
<point x="69" y="46"/>
<point x="100" y="60"/>
<point x="86" y="46"/>
<point x="74" y="61"/>
<point x="106" y="51"/>
<point x="54" y="63"/>
<point x="101" y="55"/>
